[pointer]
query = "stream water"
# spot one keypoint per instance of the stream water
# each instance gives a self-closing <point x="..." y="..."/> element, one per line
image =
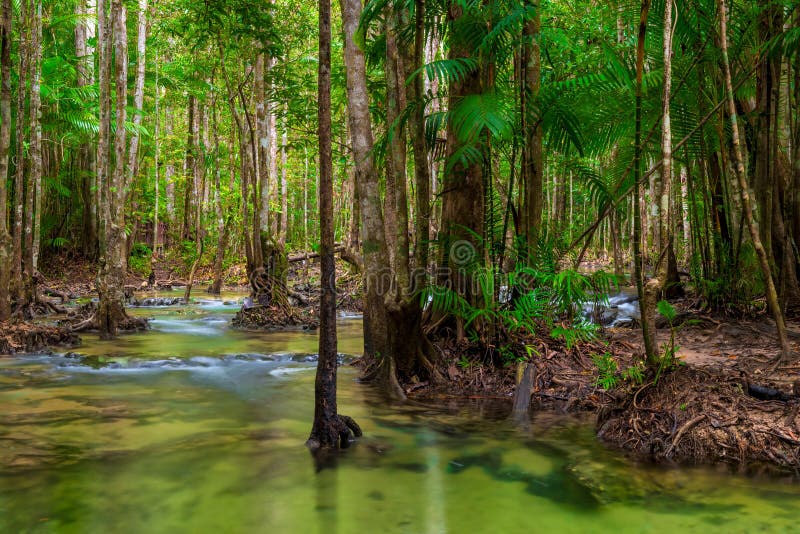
<point x="194" y="427"/>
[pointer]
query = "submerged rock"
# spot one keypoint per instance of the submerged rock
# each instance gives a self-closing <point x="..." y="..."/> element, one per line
<point x="156" y="301"/>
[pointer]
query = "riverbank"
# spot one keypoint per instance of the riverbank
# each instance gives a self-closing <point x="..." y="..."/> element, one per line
<point x="726" y="401"/>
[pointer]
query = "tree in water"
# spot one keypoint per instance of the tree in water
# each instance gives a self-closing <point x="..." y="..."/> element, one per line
<point x="110" y="314"/>
<point x="330" y="430"/>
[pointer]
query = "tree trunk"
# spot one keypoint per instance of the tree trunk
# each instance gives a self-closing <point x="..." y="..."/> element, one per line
<point x="655" y="286"/>
<point x="283" y="223"/>
<point x="262" y="132"/>
<point x="17" y="278"/>
<point x="416" y="123"/>
<point x="744" y="192"/>
<point x="35" y="177"/>
<point x="85" y="76"/>
<point x="111" y="280"/>
<point x="462" y="195"/>
<point x="396" y="187"/>
<point x="330" y="430"/>
<point x="5" y="146"/>
<point x="222" y="227"/>
<point x="33" y="183"/>
<point x="532" y="167"/>
<point x="644" y="300"/>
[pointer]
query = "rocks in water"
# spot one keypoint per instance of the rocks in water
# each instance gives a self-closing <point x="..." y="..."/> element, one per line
<point x="274" y="318"/>
<point x="621" y="311"/>
<point x="156" y="301"/>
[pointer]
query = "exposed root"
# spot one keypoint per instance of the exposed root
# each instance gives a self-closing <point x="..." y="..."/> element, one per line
<point x="696" y="416"/>
<point x="275" y="318"/>
<point x="30" y="337"/>
<point x="337" y="433"/>
<point x="86" y="318"/>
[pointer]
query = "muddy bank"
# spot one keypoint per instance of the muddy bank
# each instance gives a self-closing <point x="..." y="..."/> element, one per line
<point x="564" y="379"/>
<point x="18" y="337"/>
<point x="727" y="402"/>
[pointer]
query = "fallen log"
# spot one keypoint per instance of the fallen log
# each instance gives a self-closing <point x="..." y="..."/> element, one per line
<point x="312" y="255"/>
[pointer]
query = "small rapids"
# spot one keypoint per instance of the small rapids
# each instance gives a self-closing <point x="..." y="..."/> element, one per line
<point x="619" y="310"/>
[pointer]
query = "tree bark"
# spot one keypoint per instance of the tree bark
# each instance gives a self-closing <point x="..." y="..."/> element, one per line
<point x="416" y="123"/>
<point x="462" y="195"/>
<point x="650" y="348"/>
<point x="111" y="279"/>
<point x="330" y="430"/>
<point x="5" y="147"/>
<point x="17" y="278"/>
<point x="532" y="167"/>
<point x="85" y="76"/>
<point x="396" y="186"/>
<point x="33" y="182"/>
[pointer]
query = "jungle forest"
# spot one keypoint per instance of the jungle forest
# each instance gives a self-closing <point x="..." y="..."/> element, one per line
<point x="399" y="266"/>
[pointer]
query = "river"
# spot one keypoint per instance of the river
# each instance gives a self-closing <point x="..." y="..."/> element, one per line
<point x="195" y="427"/>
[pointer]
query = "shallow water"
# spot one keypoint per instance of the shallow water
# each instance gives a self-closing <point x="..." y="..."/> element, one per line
<point x="193" y="427"/>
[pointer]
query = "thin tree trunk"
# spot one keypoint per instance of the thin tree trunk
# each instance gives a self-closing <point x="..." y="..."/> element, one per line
<point x="33" y="184"/>
<point x="5" y="146"/>
<point x="157" y="165"/>
<point x="283" y="226"/>
<point x="655" y="286"/>
<point x="222" y="234"/>
<point x="35" y="177"/>
<point x="262" y="132"/>
<point x="744" y="192"/>
<point x="532" y="169"/>
<point x="330" y="430"/>
<point x="416" y="122"/>
<point x="650" y="349"/>
<point x="18" y="286"/>
<point x="85" y="76"/>
<point x="138" y="91"/>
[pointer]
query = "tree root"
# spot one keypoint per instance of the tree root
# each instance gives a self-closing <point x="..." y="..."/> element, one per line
<point x="337" y="433"/>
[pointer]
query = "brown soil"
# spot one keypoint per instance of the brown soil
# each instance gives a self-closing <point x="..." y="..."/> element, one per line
<point x="30" y="337"/>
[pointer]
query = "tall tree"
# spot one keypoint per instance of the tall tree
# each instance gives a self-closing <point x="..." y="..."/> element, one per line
<point x="744" y="191"/>
<point x="5" y="147"/>
<point x="650" y="348"/>
<point x="532" y="166"/>
<point x="655" y="286"/>
<point x="330" y="430"/>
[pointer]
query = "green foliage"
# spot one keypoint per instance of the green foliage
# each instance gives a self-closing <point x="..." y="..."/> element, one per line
<point x="577" y="332"/>
<point x="609" y="376"/>
<point x="140" y="259"/>
<point x="669" y="349"/>
<point x="607" y="370"/>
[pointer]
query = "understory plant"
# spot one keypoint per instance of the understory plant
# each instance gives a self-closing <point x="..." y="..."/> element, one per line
<point x="536" y="298"/>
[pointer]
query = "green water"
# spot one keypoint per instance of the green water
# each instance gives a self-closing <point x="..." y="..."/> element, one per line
<point x="193" y="427"/>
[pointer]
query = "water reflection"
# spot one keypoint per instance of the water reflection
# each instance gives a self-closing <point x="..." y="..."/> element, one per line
<point x="174" y="431"/>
